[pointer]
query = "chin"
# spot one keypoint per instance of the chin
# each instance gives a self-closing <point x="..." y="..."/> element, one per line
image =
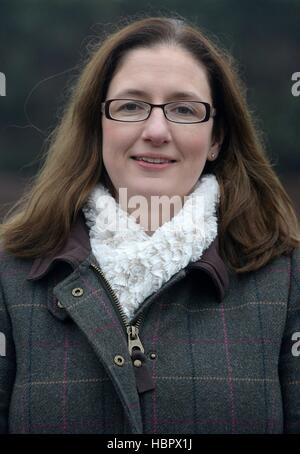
<point x="153" y="190"/>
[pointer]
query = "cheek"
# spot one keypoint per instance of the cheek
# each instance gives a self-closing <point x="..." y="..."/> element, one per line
<point x="117" y="138"/>
<point x="195" y="146"/>
<point x="107" y="137"/>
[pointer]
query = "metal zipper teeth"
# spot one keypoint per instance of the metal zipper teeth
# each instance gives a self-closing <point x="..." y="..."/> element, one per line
<point x="116" y="301"/>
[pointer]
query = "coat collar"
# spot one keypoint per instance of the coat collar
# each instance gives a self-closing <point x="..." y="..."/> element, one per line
<point x="77" y="249"/>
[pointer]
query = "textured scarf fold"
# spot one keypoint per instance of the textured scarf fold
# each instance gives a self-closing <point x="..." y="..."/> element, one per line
<point x="136" y="264"/>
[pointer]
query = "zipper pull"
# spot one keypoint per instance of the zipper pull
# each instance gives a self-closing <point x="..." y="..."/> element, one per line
<point x="133" y="339"/>
<point x="143" y="378"/>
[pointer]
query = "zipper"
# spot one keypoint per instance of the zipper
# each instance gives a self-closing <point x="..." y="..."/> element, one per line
<point x="134" y="341"/>
<point x="143" y="377"/>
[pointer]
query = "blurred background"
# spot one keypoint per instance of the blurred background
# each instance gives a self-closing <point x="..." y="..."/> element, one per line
<point x="43" y="44"/>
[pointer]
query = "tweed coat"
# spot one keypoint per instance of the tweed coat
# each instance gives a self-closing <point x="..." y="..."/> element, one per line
<point x="221" y="351"/>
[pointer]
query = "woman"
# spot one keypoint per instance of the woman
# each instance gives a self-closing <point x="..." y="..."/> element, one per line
<point x="123" y="317"/>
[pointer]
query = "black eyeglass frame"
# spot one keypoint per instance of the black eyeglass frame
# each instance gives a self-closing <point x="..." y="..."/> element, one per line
<point x="210" y="111"/>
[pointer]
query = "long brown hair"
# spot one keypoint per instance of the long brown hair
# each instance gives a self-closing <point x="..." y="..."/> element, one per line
<point x="256" y="218"/>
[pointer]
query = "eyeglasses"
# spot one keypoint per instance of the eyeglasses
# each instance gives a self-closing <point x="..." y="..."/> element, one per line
<point x="130" y="110"/>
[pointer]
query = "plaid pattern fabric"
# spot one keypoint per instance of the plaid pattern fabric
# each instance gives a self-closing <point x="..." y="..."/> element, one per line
<point x="220" y="367"/>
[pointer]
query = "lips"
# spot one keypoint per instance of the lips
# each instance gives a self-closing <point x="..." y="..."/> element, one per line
<point x="153" y="164"/>
<point x="153" y="159"/>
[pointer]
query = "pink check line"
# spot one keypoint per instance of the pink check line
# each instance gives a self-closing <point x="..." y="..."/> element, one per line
<point x="214" y="341"/>
<point x="230" y="382"/>
<point x="254" y="422"/>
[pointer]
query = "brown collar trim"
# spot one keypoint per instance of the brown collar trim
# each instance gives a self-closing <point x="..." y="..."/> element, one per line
<point x="77" y="249"/>
<point x="212" y="264"/>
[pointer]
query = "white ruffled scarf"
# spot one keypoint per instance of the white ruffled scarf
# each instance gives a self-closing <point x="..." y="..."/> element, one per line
<point x="137" y="264"/>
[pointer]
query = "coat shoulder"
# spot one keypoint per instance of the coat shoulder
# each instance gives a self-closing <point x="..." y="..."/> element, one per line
<point x="12" y="266"/>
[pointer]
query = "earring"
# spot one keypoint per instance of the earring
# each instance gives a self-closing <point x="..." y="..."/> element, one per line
<point x="213" y="155"/>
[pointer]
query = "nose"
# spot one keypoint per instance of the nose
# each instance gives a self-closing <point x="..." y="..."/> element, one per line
<point x="156" y="128"/>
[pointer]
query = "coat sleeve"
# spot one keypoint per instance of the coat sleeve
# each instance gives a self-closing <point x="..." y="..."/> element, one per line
<point x="7" y="363"/>
<point x="289" y="362"/>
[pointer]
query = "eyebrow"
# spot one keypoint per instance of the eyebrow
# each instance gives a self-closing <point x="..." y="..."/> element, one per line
<point x="173" y="95"/>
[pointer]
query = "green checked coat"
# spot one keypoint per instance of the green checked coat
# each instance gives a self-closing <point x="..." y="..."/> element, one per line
<point x="221" y="350"/>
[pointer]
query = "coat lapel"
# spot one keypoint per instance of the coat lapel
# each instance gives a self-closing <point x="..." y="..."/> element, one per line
<point x="86" y="302"/>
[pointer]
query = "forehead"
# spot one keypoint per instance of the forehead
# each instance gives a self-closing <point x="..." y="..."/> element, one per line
<point x="160" y="72"/>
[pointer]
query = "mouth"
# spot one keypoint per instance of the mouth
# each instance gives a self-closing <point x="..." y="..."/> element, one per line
<point x="153" y="163"/>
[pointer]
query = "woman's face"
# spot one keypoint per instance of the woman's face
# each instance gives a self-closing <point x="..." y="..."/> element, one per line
<point x="158" y="75"/>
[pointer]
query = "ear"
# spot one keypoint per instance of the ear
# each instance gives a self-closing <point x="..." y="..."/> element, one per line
<point x="214" y="151"/>
<point x="215" y="146"/>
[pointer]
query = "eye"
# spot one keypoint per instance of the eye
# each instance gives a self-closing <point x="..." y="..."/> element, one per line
<point x="130" y="107"/>
<point x="182" y="109"/>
